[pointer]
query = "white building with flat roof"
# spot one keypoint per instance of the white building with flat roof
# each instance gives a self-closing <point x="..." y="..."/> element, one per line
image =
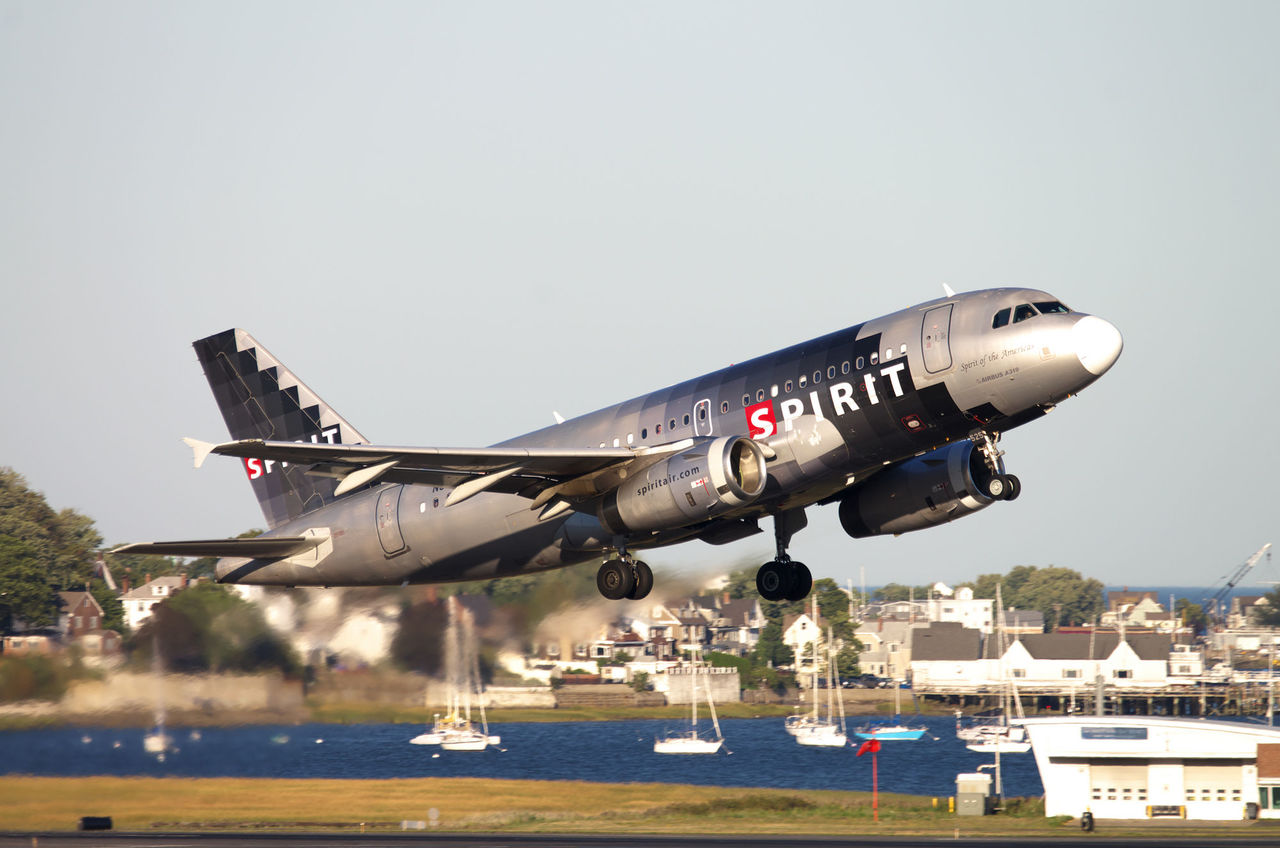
<point x="1138" y="767"/>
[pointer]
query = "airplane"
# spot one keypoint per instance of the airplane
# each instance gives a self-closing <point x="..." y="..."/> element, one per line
<point x="895" y="420"/>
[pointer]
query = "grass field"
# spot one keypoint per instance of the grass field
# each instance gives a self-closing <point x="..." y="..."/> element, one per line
<point x="40" y="804"/>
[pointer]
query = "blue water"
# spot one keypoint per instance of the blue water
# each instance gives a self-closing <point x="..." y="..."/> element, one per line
<point x="763" y="755"/>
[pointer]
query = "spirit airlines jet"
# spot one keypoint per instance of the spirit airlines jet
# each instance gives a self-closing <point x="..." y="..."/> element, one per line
<point x="896" y="421"/>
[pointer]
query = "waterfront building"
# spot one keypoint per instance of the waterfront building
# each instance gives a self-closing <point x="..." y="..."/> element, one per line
<point x="1132" y="767"/>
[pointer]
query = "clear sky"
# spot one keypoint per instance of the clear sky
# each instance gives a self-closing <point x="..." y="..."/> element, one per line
<point x="451" y="219"/>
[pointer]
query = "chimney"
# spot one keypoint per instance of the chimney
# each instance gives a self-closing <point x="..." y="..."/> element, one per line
<point x="726" y="599"/>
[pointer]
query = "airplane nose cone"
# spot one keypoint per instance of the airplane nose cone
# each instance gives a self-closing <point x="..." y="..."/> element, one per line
<point x="1097" y="342"/>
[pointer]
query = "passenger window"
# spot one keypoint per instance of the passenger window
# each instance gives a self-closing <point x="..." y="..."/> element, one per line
<point x="903" y="350"/>
<point x="644" y="433"/>
<point x="1023" y="312"/>
<point x="788" y="386"/>
<point x="875" y="357"/>
<point x="631" y="438"/>
<point x="831" y="372"/>
<point x="760" y="395"/>
<point x="817" y="376"/>
<point x="724" y="407"/>
<point x="844" y="367"/>
<point x="804" y="381"/>
<point x="1051" y="306"/>
<point x="1001" y="319"/>
<point x="888" y="354"/>
<point x="686" y="419"/>
<point x="746" y="400"/>
<point x="773" y="390"/>
<point x="657" y="431"/>
<point x="861" y="363"/>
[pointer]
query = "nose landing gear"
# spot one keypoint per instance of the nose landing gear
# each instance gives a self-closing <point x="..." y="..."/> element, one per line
<point x="1003" y="487"/>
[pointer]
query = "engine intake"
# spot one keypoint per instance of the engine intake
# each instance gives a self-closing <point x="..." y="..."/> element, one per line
<point x="713" y="478"/>
<point x="940" y="486"/>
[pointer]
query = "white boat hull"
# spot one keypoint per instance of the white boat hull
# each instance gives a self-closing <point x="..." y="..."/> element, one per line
<point x="822" y="738"/>
<point x="685" y="745"/>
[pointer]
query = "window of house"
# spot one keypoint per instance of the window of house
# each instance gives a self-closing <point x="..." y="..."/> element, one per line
<point x="1123" y="673"/>
<point x="1070" y="672"/>
<point x="1019" y="672"/>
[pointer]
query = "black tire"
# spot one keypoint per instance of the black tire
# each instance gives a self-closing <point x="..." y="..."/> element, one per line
<point x="644" y="582"/>
<point x="1015" y="488"/>
<point x="800" y="582"/>
<point x="771" y="581"/>
<point x="998" y="488"/>
<point x="615" y="579"/>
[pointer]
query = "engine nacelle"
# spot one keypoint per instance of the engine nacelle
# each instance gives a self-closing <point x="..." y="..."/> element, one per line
<point x="709" y="480"/>
<point x="940" y="486"/>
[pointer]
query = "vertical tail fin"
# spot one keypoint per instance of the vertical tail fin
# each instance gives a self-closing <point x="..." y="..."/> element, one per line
<point x="261" y="399"/>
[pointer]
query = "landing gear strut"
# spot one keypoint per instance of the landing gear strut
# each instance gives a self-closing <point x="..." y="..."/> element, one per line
<point x="624" y="578"/>
<point x="782" y="579"/>
<point x="1003" y="487"/>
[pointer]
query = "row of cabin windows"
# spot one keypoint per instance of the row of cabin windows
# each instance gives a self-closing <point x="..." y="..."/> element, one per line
<point x="1023" y="311"/>
<point x="787" y="388"/>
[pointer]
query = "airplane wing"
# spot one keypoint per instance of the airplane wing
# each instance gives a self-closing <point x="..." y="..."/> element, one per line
<point x="258" y="548"/>
<point x="535" y="472"/>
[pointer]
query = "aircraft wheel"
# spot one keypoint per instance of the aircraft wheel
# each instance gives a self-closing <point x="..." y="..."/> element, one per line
<point x="643" y="582"/>
<point x="771" y="581"/>
<point x="998" y="487"/>
<point x="615" y="579"/>
<point x="800" y="582"/>
<point x="1015" y="488"/>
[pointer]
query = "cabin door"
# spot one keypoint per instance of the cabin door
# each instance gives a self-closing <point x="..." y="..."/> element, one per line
<point x="388" y="519"/>
<point x="935" y="339"/>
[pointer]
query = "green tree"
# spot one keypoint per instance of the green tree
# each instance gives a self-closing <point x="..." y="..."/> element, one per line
<point x="1060" y="594"/>
<point x="899" y="592"/>
<point x="25" y="592"/>
<point x="1268" y="615"/>
<point x="1191" y="615"/>
<point x="64" y="542"/>
<point x="770" y="649"/>
<point x="208" y="628"/>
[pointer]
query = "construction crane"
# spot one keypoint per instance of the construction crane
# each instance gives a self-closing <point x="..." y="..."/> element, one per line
<point x="1224" y="594"/>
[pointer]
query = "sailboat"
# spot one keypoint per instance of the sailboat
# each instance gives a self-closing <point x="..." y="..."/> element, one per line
<point x="157" y="741"/>
<point x="455" y="731"/>
<point x="829" y="731"/>
<point x="689" y="741"/>
<point x="895" y="730"/>
<point x="998" y="736"/>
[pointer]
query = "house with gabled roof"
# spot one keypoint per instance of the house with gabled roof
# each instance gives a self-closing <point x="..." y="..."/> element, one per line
<point x="80" y="622"/>
<point x="139" y="602"/>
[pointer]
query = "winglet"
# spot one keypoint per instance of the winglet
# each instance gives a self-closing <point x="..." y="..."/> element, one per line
<point x="948" y="290"/>
<point x="200" y="449"/>
<point x="559" y="417"/>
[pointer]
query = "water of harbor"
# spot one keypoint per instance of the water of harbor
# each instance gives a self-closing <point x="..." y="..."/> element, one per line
<point x="761" y="754"/>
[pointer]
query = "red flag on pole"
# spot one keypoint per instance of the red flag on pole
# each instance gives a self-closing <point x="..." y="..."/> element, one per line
<point x="872" y="745"/>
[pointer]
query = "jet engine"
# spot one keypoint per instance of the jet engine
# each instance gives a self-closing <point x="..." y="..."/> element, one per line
<point x="711" y="479"/>
<point x="940" y="486"/>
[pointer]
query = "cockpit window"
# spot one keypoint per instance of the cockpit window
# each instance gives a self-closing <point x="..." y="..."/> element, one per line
<point x="1001" y="319"/>
<point x="1023" y="312"/>
<point x="1051" y="306"/>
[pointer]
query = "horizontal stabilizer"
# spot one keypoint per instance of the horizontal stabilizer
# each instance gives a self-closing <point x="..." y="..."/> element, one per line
<point x="270" y="547"/>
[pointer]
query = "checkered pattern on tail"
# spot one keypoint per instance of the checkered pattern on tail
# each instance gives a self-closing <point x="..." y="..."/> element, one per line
<point x="261" y="399"/>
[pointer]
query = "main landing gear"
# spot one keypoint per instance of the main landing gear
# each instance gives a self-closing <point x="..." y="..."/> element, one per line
<point x="782" y="579"/>
<point x="624" y="578"/>
<point x="1001" y="486"/>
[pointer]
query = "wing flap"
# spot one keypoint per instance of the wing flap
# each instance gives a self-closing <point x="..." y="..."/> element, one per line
<point x="271" y="547"/>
